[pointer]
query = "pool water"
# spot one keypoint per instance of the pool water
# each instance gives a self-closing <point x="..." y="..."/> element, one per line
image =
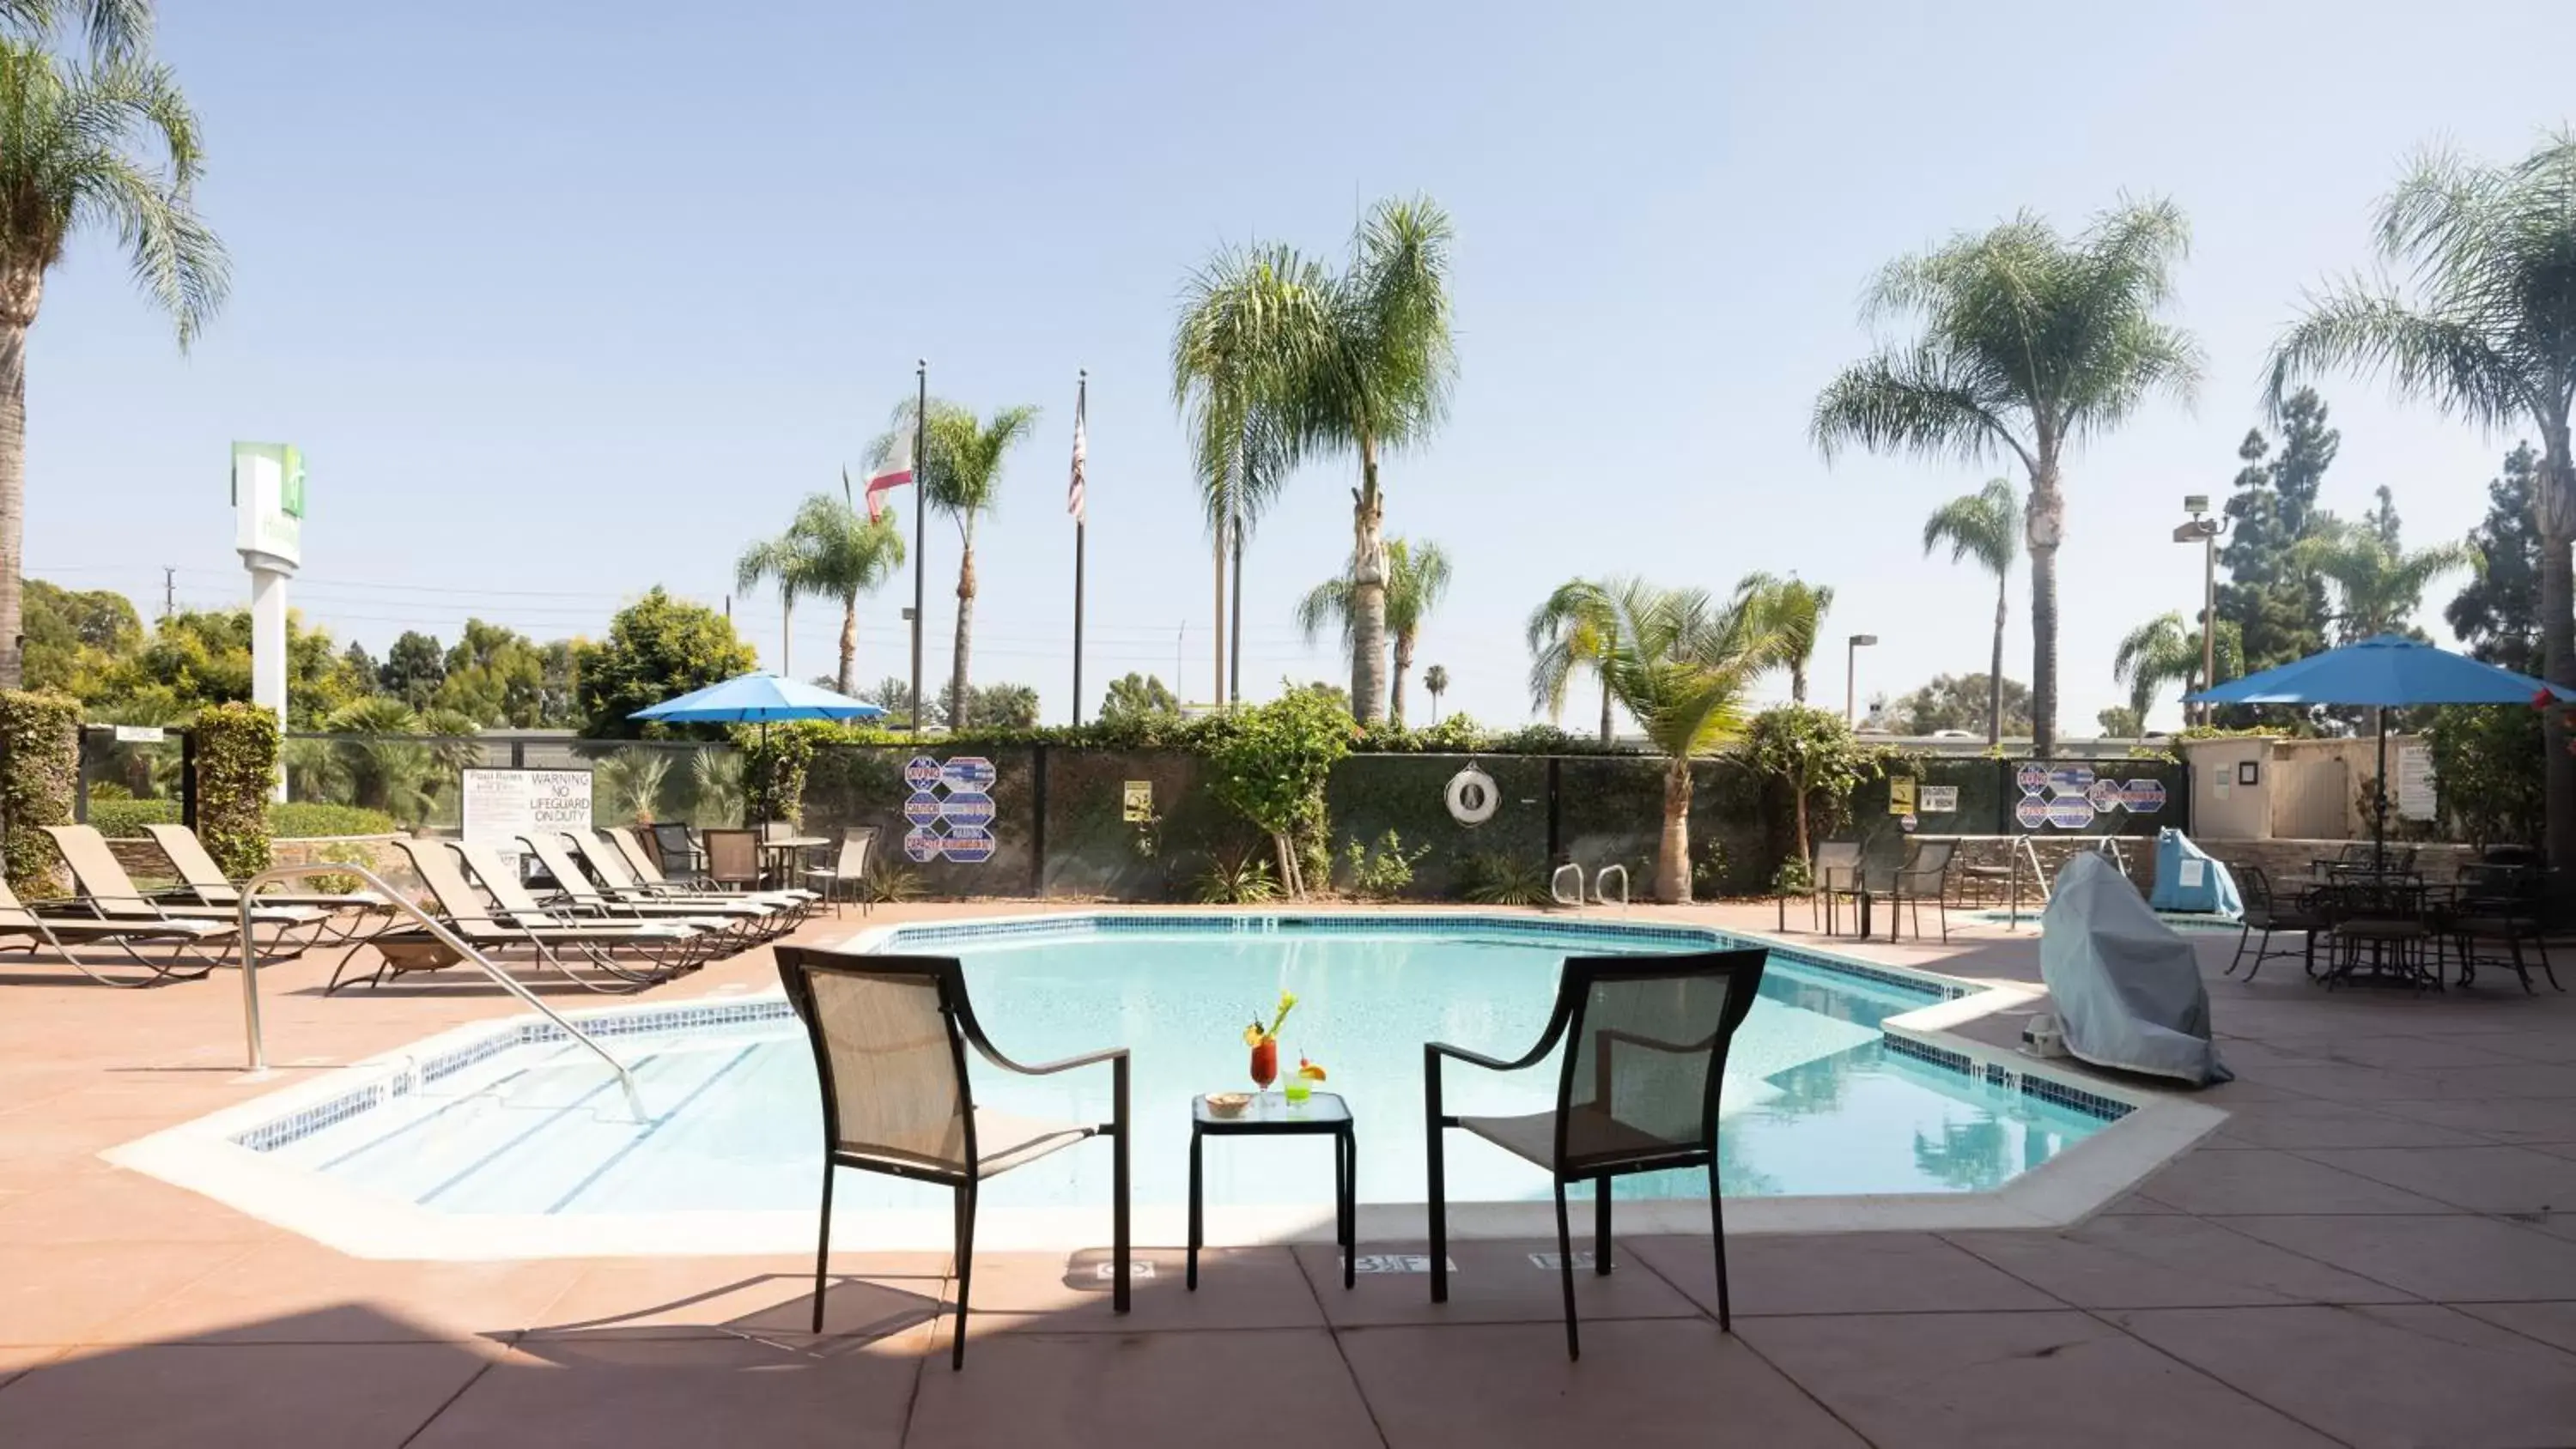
<point x="1813" y="1103"/>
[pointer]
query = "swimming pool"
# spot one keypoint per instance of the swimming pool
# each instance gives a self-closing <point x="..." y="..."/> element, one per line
<point x="513" y="1131"/>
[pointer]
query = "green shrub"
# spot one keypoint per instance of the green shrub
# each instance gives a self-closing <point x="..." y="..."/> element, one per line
<point x="39" y="768"/>
<point x="1496" y="878"/>
<point x="1381" y="873"/>
<point x="1270" y="764"/>
<point x="2489" y="770"/>
<point x="125" y="819"/>
<point x="309" y="819"/>
<point x="237" y="747"/>
<point x="1243" y="879"/>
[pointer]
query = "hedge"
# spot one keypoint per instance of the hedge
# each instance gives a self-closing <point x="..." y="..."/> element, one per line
<point x="237" y="747"/>
<point x="39" y="769"/>
<point x="287" y="820"/>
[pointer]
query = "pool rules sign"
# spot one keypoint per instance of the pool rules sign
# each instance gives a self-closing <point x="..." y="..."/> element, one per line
<point x="950" y="810"/>
<point x="502" y="805"/>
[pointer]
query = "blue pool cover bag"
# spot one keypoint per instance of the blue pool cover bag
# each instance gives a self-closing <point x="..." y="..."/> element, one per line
<point x="2126" y="988"/>
<point x="2189" y="878"/>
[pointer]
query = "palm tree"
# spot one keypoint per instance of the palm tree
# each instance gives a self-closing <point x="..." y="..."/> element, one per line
<point x="1416" y="581"/>
<point x="1435" y="682"/>
<point x="1245" y="318"/>
<point x="1984" y="526"/>
<point x="2030" y="341"/>
<point x="114" y="28"/>
<point x="1680" y="666"/>
<point x="784" y="560"/>
<point x="2488" y="337"/>
<point x="847" y="555"/>
<point x="1574" y="628"/>
<point x="2166" y="650"/>
<point x="108" y="145"/>
<point x="1361" y="362"/>
<point x="1793" y="611"/>
<point x="2377" y="584"/>
<point x="960" y="470"/>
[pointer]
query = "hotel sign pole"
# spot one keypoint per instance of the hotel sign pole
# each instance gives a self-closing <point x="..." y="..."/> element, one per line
<point x="1081" y="524"/>
<point x="920" y="521"/>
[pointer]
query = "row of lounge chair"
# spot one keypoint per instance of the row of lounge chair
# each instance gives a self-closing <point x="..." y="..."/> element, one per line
<point x="611" y="921"/>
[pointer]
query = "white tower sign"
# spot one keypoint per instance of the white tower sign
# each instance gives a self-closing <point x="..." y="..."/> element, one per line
<point x="268" y="509"/>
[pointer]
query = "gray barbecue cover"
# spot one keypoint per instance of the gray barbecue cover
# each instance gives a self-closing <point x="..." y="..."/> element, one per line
<point x="2126" y="989"/>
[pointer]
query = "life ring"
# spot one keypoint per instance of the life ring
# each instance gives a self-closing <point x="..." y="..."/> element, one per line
<point x="1472" y="796"/>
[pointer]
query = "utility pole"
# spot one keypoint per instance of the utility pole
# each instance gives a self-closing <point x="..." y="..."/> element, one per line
<point x="169" y="592"/>
<point x="2205" y="532"/>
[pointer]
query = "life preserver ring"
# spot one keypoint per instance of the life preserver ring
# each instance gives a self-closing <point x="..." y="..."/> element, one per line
<point x="1473" y="797"/>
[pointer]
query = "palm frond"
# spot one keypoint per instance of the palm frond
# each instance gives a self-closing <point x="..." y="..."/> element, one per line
<point x="1985" y="525"/>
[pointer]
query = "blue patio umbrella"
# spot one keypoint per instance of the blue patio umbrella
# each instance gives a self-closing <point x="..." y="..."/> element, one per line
<point x="2387" y="672"/>
<point x="758" y="699"/>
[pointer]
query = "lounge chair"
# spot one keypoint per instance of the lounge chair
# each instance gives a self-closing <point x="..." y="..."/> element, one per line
<point x="847" y="875"/>
<point x="588" y="901"/>
<point x="207" y="881"/>
<point x="611" y="867"/>
<point x="890" y="1035"/>
<point x="64" y="932"/>
<point x="111" y="894"/>
<point x="1649" y="1106"/>
<point x="652" y="877"/>
<point x="516" y="921"/>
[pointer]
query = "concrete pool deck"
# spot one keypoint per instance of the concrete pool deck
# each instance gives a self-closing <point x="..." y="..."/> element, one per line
<point x="2378" y="1247"/>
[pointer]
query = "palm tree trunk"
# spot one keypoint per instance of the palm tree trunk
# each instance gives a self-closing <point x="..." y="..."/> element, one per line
<point x="1395" y="691"/>
<point x="965" y="638"/>
<point x="849" y="677"/>
<point x="1605" y="709"/>
<point x="2045" y="525"/>
<point x="1995" y="671"/>
<point x="1798" y="681"/>
<point x="1368" y="592"/>
<point x="786" y="626"/>
<point x="2556" y="507"/>
<point x="1672" y="860"/>
<point x="13" y="476"/>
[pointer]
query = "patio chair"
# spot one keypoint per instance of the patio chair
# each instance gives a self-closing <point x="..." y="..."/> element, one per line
<point x="108" y="892"/>
<point x="353" y="910"/>
<point x="890" y="1035"/>
<point x="2266" y="912"/>
<point x="678" y="849"/>
<point x="650" y="876"/>
<point x="848" y="872"/>
<point x="733" y="859"/>
<point x="1836" y="869"/>
<point x="2509" y="904"/>
<point x="514" y="920"/>
<point x="63" y="932"/>
<point x="1645" y="1058"/>
<point x="1926" y="870"/>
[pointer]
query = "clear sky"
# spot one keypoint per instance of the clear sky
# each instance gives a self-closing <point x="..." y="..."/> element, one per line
<point x="564" y="300"/>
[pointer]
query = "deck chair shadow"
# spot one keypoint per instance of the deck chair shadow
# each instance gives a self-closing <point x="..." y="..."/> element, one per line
<point x="1645" y="1041"/>
<point x="890" y="1035"/>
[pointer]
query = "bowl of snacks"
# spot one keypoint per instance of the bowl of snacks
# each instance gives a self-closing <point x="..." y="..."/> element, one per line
<point x="1228" y="1104"/>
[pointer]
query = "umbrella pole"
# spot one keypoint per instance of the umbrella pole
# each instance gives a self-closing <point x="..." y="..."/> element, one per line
<point x="2379" y="802"/>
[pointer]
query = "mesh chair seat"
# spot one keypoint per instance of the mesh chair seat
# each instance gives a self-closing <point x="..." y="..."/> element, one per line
<point x="1592" y="1131"/>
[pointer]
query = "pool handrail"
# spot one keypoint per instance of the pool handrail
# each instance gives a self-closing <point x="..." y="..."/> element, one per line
<point x="1556" y="892"/>
<point x="258" y="1048"/>
<point x="1601" y="897"/>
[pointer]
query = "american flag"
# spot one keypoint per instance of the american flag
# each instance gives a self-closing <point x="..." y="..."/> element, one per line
<point x="1073" y="494"/>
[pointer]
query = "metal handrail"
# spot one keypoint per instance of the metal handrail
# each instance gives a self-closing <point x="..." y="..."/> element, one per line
<point x="437" y="928"/>
<point x="1556" y="892"/>
<point x="2024" y="850"/>
<point x="1602" y="897"/>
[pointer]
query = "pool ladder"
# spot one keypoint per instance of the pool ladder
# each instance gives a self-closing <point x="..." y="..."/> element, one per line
<point x="258" y="1048"/>
<point x="1600" y="885"/>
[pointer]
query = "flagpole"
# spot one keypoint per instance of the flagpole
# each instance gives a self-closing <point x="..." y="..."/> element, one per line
<point x="920" y="523"/>
<point x="1081" y="524"/>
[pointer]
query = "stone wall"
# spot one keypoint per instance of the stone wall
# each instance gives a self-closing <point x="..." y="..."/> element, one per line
<point x="2285" y="861"/>
<point x="1997" y="851"/>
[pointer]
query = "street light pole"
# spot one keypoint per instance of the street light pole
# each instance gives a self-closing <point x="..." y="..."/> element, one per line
<point x="2205" y="532"/>
<point x="1851" y="675"/>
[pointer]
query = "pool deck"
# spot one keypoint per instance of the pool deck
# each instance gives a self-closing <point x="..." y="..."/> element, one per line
<point x="2379" y="1247"/>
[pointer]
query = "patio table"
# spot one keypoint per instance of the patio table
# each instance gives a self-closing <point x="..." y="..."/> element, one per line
<point x="1271" y="1114"/>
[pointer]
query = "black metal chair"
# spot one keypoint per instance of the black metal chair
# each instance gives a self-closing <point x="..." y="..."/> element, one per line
<point x="1926" y="869"/>
<point x="1649" y="1108"/>
<point x="890" y="1035"/>
<point x="2267" y="912"/>
<point x="680" y="857"/>
<point x="2501" y="903"/>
